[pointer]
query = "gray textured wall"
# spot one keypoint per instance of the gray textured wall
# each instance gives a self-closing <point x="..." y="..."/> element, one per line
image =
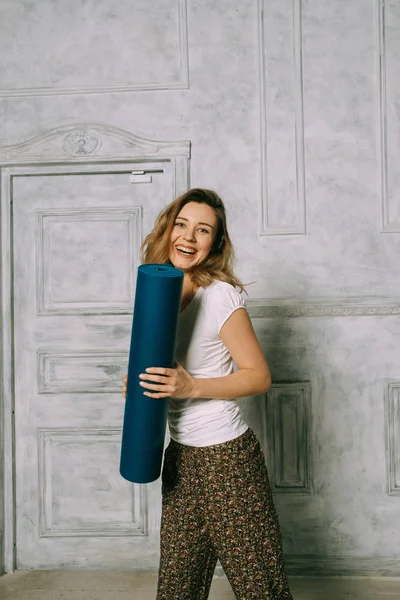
<point x="292" y="109"/>
<point x="1" y="489"/>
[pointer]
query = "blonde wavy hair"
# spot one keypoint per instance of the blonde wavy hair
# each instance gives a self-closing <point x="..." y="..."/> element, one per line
<point x="218" y="264"/>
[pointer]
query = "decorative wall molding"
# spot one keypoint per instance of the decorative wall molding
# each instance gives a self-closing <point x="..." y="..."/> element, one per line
<point x="7" y="383"/>
<point x="80" y="143"/>
<point x="392" y="436"/>
<point x="130" y="218"/>
<point x="85" y="372"/>
<point x="90" y="142"/>
<point x="180" y="82"/>
<point x="386" y="225"/>
<point x="289" y="414"/>
<point x="55" y="523"/>
<point x="323" y="307"/>
<point x="298" y="227"/>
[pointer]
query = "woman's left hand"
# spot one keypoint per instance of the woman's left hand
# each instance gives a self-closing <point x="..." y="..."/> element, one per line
<point x="164" y="383"/>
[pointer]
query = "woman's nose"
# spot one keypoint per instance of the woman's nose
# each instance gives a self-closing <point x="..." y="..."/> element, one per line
<point x="189" y="235"/>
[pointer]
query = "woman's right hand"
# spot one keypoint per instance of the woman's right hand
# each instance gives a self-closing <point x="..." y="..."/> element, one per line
<point x="125" y="386"/>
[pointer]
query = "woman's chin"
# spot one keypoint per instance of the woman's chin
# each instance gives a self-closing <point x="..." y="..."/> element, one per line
<point x="183" y="267"/>
<point x="182" y="263"/>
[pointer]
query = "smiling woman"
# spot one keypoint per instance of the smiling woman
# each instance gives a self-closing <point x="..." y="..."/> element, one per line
<point x="216" y="497"/>
<point x="193" y="235"/>
<point x="218" y="264"/>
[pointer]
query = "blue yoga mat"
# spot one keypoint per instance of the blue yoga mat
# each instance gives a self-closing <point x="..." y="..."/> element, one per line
<point x="154" y="327"/>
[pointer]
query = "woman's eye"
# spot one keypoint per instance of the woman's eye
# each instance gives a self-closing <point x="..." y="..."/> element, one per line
<point x="179" y="224"/>
<point x="204" y="230"/>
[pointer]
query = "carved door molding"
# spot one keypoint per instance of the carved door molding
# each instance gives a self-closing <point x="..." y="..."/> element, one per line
<point x="84" y="148"/>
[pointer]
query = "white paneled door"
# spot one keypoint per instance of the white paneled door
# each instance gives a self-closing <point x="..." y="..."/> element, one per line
<point x="76" y="239"/>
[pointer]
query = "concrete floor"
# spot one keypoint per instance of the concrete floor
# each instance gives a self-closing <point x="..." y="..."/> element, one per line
<point x="93" y="585"/>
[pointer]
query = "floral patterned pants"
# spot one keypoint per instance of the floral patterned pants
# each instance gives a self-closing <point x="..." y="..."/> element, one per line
<point x="217" y="504"/>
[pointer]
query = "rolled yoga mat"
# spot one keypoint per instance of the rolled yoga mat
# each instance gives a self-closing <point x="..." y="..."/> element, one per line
<point x="154" y="327"/>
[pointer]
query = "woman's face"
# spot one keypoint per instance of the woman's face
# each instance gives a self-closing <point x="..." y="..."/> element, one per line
<point x="193" y="235"/>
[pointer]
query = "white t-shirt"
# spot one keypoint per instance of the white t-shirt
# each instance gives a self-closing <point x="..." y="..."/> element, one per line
<point x="205" y="421"/>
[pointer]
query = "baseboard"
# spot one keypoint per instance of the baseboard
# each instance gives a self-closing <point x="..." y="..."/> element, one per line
<point x="338" y="566"/>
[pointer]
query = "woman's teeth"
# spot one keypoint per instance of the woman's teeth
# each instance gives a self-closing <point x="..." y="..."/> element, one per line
<point x="186" y="251"/>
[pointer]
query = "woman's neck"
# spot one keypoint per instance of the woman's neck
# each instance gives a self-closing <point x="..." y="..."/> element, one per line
<point x="188" y="291"/>
<point x="189" y="288"/>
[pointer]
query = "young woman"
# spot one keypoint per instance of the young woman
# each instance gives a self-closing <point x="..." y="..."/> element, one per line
<point x="216" y="497"/>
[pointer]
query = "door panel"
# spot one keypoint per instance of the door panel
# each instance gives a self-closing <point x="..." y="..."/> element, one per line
<point x="76" y="241"/>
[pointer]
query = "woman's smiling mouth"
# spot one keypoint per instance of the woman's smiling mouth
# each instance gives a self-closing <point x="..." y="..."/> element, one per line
<point x="186" y="251"/>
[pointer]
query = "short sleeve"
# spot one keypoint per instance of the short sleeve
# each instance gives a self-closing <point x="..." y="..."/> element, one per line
<point x="224" y="300"/>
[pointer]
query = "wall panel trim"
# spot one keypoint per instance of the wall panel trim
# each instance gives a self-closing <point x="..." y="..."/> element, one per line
<point x="386" y="225"/>
<point x="182" y="82"/>
<point x="300" y="227"/>
<point x="48" y="524"/>
<point x="131" y="217"/>
<point x="106" y="371"/>
<point x="392" y="437"/>
<point x="289" y="426"/>
<point x="323" y="307"/>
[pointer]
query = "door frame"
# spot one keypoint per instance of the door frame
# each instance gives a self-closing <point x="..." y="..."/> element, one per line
<point x="83" y="148"/>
